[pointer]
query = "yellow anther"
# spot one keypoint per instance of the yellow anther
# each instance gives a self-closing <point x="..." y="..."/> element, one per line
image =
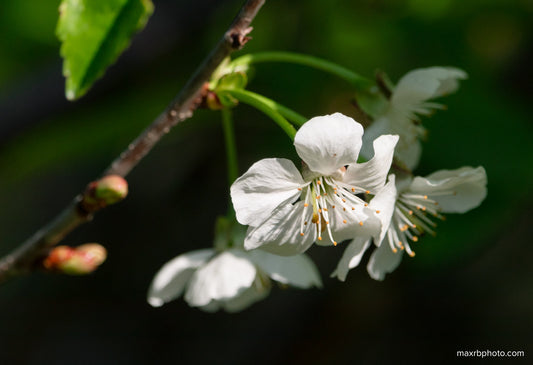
<point x="327" y="222"/>
<point x="368" y="191"/>
<point x="344" y="209"/>
<point x="318" y="196"/>
<point x="353" y="208"/>
<point x="320" y="210"/>
<point x="325" y="209"/>
<point x="299" y="189"/>
<point x="315" y="218"/>
<point x="425" y="196"/>
<point x="377" y="211"/>
<point x="394" y="250"/>
<point x="333" y="206"/>
<point x="366" y="204"/>
<point x="412" y="254"/>
<point x="344" y="221"/>
<point x="353" y="190"/>
<point x="301" y="234"/>
<point x="344" y="200"/>
<point x="424" y="209"/>
<point x="361" y="224"/>
<point x="320" y="238"/>
<point x="410" y="212"/>
<point x="415" y="239"/>
<point x="334" y="243"/>
<point x="306" y="205"/>
<point x="318" y="183"/>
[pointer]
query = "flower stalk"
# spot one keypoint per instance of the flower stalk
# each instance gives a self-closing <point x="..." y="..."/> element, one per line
<point x="262" y="104"/>
<point x="358" y="81"/>
<point x="231" y="148"/>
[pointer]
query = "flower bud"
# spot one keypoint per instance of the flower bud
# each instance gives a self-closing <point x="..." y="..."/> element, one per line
<point x="80" y="260"/>
<point x="111" y="189"/>
<point x="108" y="190"/>
<point x="212" y="102"/>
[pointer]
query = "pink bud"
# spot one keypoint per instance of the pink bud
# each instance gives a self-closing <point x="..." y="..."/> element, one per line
<point x="108" y="190"/>
<point x="80" y="260"/>
<point x="111" y="189"/>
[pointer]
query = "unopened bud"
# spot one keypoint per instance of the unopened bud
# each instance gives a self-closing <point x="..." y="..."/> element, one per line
<point x="212" y="101"/>
<point x="111" y="189"/>
<point x="108" y="190"/>
<point x="80" y="260"/>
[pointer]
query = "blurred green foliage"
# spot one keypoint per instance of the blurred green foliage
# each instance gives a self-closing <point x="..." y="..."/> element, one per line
<point x="486" y="124"/>
<point x="471" y="284"/>
<point x="28" y="29"/>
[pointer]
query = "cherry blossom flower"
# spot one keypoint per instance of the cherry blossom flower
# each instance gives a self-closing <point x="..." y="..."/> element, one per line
<point x="408" y="101"/>
<point x="418" y="199"/>
<point x="232" y="279"/>
<point x="287" y="210"/>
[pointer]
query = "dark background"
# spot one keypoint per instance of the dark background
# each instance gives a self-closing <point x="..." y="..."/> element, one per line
<point x="468" y="288"/>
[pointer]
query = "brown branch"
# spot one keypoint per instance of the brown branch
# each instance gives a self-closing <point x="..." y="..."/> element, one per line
<point x="30" y="253"/>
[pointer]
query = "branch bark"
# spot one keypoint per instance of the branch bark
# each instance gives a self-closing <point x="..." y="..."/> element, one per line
<point x="29" y="254"/>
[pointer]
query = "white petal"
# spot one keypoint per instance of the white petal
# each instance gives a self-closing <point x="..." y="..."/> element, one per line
<point x="384" y="202"/>
<point x="171" y="279"/>
<point x="371" y="175"/>
<point x="427" y="83"/>
<point x="409" y="153"/>
<point x="298" y="271"/>
<point x="268" y="184"/>
<point x="329" y="142"/>
<point x="280" y="234"/>
<point x="351" y="257"/>
<point x="378" y="127"/>
<point x="222" y="278"/>
<point x="246" y="298"/>
<point x="211" y="307"/>
<point x="455" y="191"/>
<point x="383" y="261"/>
<point x="408" y="149"/>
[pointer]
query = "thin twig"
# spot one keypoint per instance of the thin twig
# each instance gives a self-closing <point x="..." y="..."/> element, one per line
<point x="29" y="254"/>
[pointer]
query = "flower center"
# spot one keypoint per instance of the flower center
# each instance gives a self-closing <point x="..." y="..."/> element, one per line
<point x="410" y="220"/>
<point x="325" y="193"/>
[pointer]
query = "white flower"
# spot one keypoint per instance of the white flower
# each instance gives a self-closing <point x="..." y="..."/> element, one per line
<point x="231" y="280"/>
<point x="409" y="99"/>
<point x="445" y="191"/>
<point x="288" y="211"/>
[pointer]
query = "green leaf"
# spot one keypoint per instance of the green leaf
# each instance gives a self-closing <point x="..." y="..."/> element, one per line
<point x="93" y="34"/>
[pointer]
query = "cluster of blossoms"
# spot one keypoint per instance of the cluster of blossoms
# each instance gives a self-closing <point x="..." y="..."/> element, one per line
<point x="227" y="276"/>
<point x="331" y="199"/>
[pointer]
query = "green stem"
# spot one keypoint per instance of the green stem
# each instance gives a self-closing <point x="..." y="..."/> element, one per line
<point x="355" y="79"/>
<point x="288" y="113"/>
<point x="231" y="154"/>
<point x="231" y="148"/>
<point x="261" y="103"/>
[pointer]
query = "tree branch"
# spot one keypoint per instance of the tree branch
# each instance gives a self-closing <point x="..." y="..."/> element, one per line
<point x="29" y="254"/>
